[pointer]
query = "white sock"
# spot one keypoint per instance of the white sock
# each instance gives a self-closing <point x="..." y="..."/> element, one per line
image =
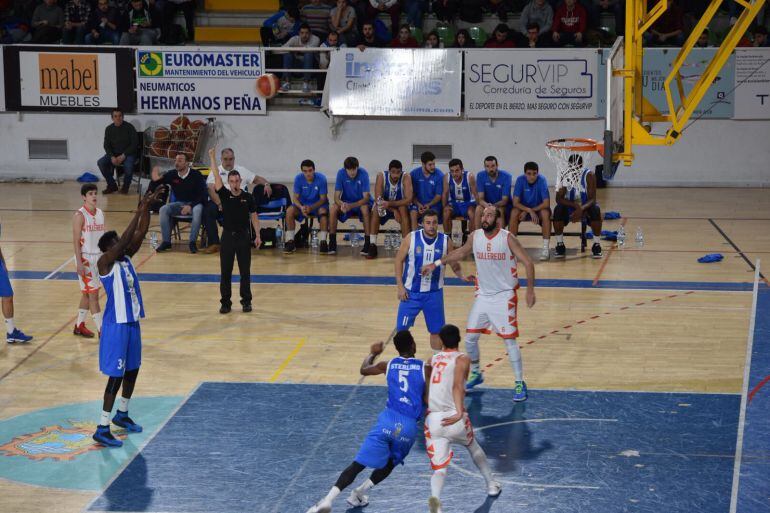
<point x="322" y="235"/>
<point x="560" y="239"/>
<point x="373" y="239"/>
<point x="97" y="320"/>
<point x="546" y="243"/>
<point x="289" y="235"/>
<point x="365" y="486"/>
<point x="104" y="420"/>
<point x="437" y="482"/>
<point x="123" y="405"/>
<point x="480" y="460"/>
<point x="514" y="356"/>
<point x="82" y="313"/>
<point x="333" y="493"/>
<point x="472" y="348"/>
<point x="10" y="327"/>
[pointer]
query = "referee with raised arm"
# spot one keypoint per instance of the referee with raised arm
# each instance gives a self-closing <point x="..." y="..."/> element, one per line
<point x="239" y="209"/>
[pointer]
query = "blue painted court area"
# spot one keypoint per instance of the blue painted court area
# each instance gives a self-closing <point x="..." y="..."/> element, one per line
<point x="257" y="447"/>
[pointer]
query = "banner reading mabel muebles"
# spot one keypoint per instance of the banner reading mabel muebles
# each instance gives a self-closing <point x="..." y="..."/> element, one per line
<point x="199" y="80"/>
<point x="530" y="84"/>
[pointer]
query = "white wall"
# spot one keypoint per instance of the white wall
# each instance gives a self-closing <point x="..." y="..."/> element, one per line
<point x="710" y="153"/>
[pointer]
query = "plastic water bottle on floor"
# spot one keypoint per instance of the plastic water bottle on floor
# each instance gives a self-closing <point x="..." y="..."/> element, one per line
<point x="353" y="239"/>
<point x="279" y="237"/>
<point x="314" y="239"/>
<point x="154" y="240"/>
<point x="621" y="237"/>
<point x="639" y="237"/>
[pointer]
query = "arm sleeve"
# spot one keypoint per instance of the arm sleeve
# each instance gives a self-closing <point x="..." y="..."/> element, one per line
<point x="518" y="188"/>
<point x="524" y="20"/>
<point x="548" y="22"/>
<point x="366" y="186"/>
<point x="557" y="20"/>
<point x="544" y="189"/>
<point x="202" y="194"/>
<point x="297" y="188"/>
<point x="324" y="188"/>
<point x="272" y="19"/>
<point x="582" y="24"/>
<point x="252" y="204"/>
<point x="107" y="142"/>
<point x="338" y="182"/>
<point x="133" y="145"/>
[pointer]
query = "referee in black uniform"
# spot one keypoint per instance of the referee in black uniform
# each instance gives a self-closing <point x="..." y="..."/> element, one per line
<point x="239" y="209"/>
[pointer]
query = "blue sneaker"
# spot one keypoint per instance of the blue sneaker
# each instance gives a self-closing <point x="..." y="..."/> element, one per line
<point x="122" y="419"/>
<point x="104" y="437"/>
<point x="474" y="378"/>
<point x="17" y="336"/>
<point x="520" y="392"/>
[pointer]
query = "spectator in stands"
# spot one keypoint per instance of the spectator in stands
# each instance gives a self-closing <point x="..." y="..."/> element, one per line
<point x="669" y="29"/>
<point x="368" y="38"/>
<point x="343" y="22"/>
<point x="570" y="23"/>
<point x="499" y="7"/>
<point x="121" y="143"/>
<point x="432" y="40"/>
<point x="104" y="25"/>
<point x="445" y="10"/>
<point x="760" y="38"/>
<point x="415" y="12"/>
<point x="47" y="22"/>
<point x="500" y="39"/>
<point x="404" y="38"/>
<point x="540" y="12"/>
<point x="188" y="193"/>
<point x="534" y="36"/>
<point x="693" y="12"/>
<point x="170" y="8"/>
<point x="532" y="202"/>
<point x="281" y="26"/>
<point x="332" y="41"/>
<point x="427" y="188"/>
<point x="703" y="40"/>
<point x="139" y="23"/>
<point x="463" y="39"/>
<point x="595" y="9"/>
<point x="76" y="16"/>
<point x="305" y="39"/>
<point x="317" y="15"/>
<point x="471" y="11"/>
<point x="351" y="198"/>
<point x="392" y="7"/>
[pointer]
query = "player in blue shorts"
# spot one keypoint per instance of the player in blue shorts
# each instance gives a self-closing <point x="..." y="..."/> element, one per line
<point x="351" y="198"/>
<point x="532" y="202"/>
<point x="310" y="199"/>
<point x="494" y="188"/>
<point x="393" y="193"/>
<point x="577" y="207"/>
<point x="428" y="187"/>
<point x="417" y="293"/>
<point x="120" y="343"/>
<point x="12" y="333"/>
<point x="459" y="196"/>
<point x="391" y="438"/>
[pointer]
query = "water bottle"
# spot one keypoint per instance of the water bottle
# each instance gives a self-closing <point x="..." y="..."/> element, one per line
<point x="621" y="237"/>
<point x="639" y="237"/>
<point x="154" y="240"/>
<point x="279" y="237"/>
<point x="314" y="239"/>
<point x="457" y="236"/>
<point x="353" y="238"/>
<point x="380" y="209"/>
<point x="396" y="241"/>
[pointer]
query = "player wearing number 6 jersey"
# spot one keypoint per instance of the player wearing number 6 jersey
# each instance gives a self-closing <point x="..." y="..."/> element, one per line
<point x="390" y="440"/>
<point x="497" y="254"/>
<point x="447" y="422"/>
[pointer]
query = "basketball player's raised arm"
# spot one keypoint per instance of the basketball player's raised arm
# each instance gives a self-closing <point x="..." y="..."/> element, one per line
<point x="368" y="367"/>
<point x="462" y="365"/>
<point x="522" y="256"/>
<point x="214" y="168"/>
<point x="77" y="228"/>
<point x="452" y="258"/>
<point x="399" y="260"/>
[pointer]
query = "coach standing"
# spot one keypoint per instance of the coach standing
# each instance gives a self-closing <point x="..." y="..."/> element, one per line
<point x="238" y="209"/>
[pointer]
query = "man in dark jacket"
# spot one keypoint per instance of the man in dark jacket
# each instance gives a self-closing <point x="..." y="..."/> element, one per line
<point x="103" y="25"/>
<point x="120" y="145"/>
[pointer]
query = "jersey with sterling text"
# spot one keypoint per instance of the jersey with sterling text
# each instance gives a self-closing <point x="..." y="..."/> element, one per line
<point x="424" y="251"/>
<point x="124" y="298"/>
<point x="406" y="384"/>
<point x="495" y="263"/>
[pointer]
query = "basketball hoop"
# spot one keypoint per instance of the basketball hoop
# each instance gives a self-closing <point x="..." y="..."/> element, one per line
<point x="571" y="155"/>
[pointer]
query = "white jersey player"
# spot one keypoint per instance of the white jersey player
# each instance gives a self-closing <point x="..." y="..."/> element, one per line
<point x="497" y="254"/>
<point x="87" y="229"/>
<point x="447" y="421"/>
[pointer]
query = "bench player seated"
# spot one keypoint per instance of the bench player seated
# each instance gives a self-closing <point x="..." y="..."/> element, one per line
<point x="574" y="207"/>
<point x="459" y="196"/>
<point x="428" y="187"/>
<point x="393" y="190"/>
<point x="310" y="200"/>
<point x="351" y="198"/>
<point x="531" y="202"/>
<point x="493" y="189"/>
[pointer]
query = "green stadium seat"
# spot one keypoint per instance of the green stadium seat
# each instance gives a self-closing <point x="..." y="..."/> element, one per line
<point x="478" y="34"/>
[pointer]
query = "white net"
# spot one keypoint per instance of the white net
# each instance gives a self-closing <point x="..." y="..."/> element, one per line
<point x="570" y="156"/>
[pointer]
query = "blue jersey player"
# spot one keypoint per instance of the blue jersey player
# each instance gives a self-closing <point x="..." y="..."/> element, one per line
<point x="428" y="187"/>
<point x="418" y="293"/>
<point x="120" y="343"/>
<point x="391" y="438"/>
<point x="393" y="195"/>
<point x="351" y="199"/>
<point x="494" y="189"/>
<point x="459" y="196"/>
<point x="575" y="206"/>
<point x="310" y="200"/>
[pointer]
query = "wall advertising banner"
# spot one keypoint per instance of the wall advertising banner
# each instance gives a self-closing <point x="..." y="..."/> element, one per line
<point x="199" y="80"/>
<point x="526" y="84"/>
<point x="752" y="83"/>
<point x="395" y="82"/>
<point x="2" y="84"/>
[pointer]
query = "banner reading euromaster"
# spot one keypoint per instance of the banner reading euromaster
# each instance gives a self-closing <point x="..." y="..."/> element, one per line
<point x="199" y="80"/>
<point x="529" y="84"/>
<point x="394" y="82"/>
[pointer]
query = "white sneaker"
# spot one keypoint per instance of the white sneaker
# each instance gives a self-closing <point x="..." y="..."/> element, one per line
<point x="357" y="499"/>
<point x="494" y="488"/>
<point x="320" y="508"/>
<point x="434" y="505"/>
<point x="286" y="86"/>
<point x="545" y="254"/>
<point x="305" y="87"/>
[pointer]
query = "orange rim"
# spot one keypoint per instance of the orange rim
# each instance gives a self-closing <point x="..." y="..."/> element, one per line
<point x="574" y="144"/>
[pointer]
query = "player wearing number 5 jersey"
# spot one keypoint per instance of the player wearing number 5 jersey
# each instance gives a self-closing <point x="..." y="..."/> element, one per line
<point x="447" y="421"/>
<point x="391" y="438"/>
<point x="497" y="254"/>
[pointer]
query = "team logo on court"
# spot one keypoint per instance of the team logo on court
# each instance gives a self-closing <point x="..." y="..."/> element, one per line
<point x="56" y="442"/>
<point x="150" y="64"/>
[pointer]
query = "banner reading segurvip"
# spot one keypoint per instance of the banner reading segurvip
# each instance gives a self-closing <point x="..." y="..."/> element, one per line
<point x="199" y="80"/>
<point x="394" y="82"/>
<point x="530" y="84"/>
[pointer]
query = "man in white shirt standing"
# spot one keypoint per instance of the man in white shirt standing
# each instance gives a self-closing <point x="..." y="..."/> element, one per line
<point x="214" y="207"/>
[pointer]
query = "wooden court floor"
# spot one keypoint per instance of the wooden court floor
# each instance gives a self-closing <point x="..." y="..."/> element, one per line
<point x="648" y="319"/>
